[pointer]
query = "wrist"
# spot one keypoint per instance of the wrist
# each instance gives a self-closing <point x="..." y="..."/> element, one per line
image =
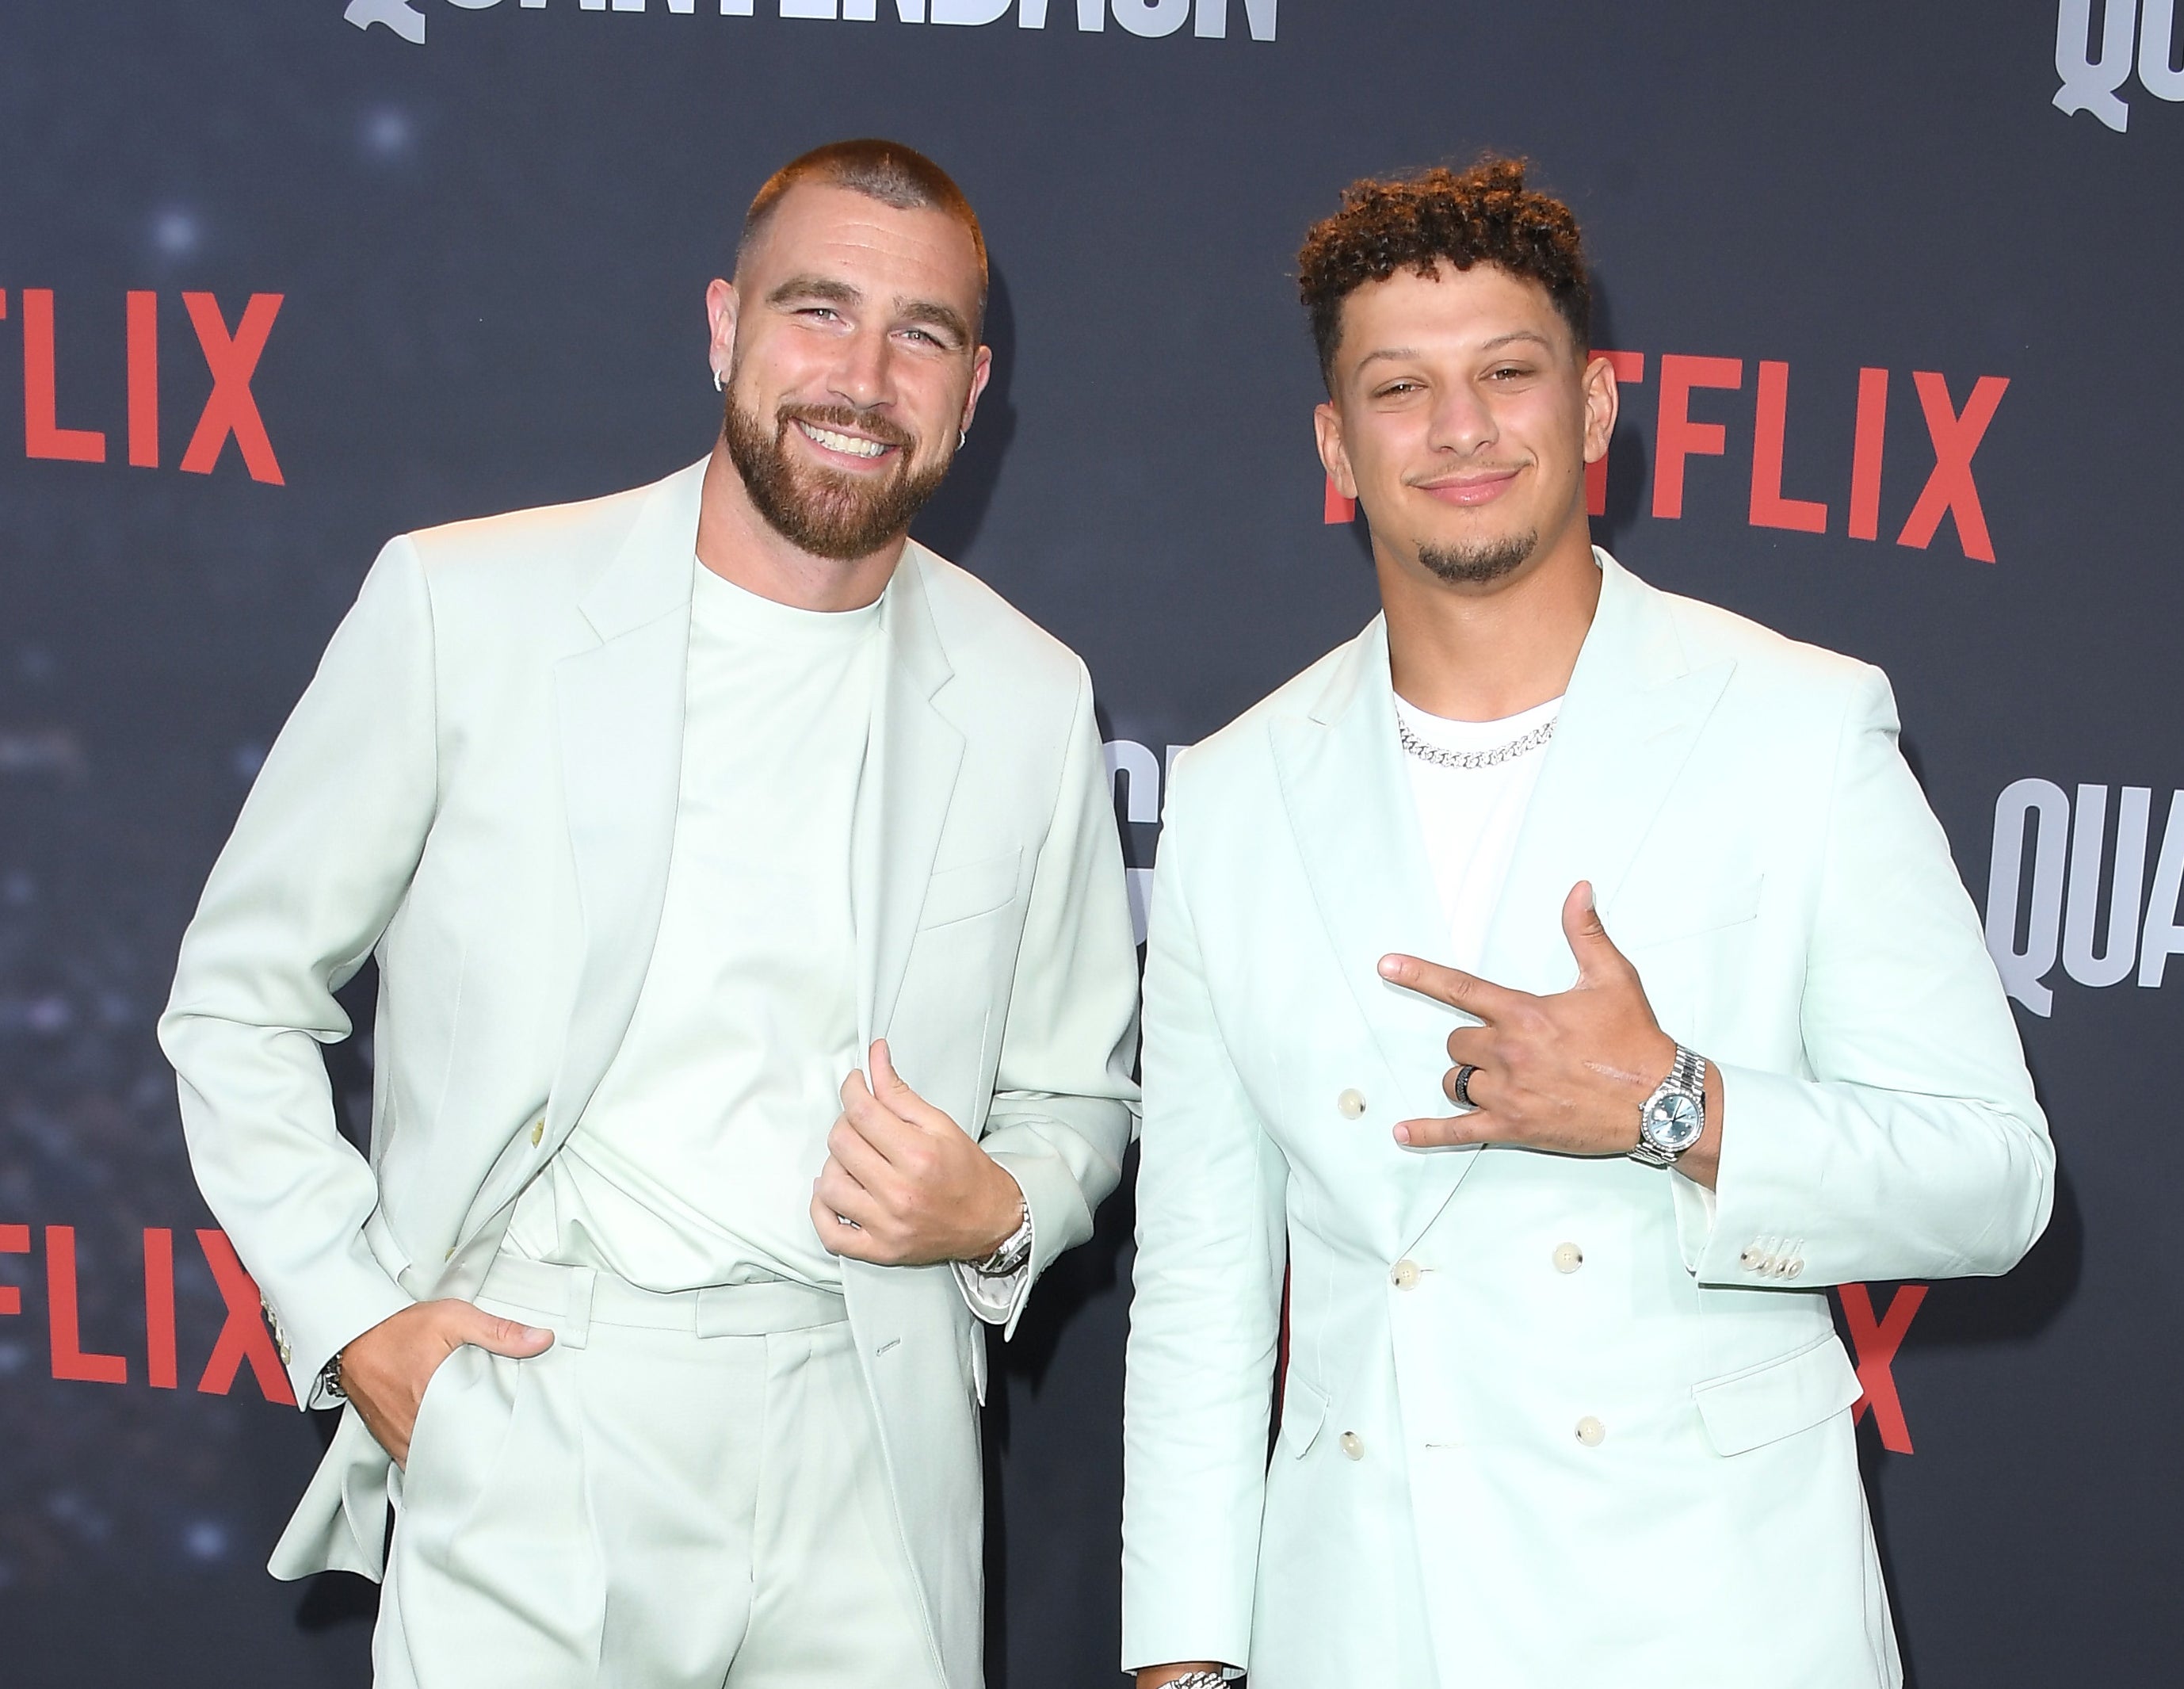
<point x="1006" y="1212"/>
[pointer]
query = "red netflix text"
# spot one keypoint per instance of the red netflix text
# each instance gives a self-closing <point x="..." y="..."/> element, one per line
<point x="243" y="1340"/>
<point x="1874" y="1342"/>
<point x="231" y="355"/>
<point x="1684" y="388"/>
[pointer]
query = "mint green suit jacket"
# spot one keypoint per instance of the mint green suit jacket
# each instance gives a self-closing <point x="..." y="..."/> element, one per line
<point x="1431" y="1513"/>
<point x="479" y="788"/>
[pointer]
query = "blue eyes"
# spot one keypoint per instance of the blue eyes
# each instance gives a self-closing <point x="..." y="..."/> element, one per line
<point x="828" y="314"/>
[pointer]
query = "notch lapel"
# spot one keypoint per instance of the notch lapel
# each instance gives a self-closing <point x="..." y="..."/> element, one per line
<point x="911" y="761"/>
<point x="619" y="709"/>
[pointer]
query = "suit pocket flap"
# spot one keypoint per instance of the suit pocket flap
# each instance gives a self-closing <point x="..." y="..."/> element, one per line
<point x="1778" y="1398"/>
<point x="973" y="888"/>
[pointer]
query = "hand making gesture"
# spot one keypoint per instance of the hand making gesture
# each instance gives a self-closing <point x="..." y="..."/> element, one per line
<point x="1566" y="1073"/>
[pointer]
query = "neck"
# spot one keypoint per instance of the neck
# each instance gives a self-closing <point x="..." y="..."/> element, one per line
<point x="1478" y="653"/>
<point x="739" y="545"/>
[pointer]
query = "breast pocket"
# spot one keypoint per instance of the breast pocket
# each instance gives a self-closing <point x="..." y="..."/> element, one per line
<point x="1690" y="945"/>
<point x="970" y="890"/>
<point x="1672" y="915"/>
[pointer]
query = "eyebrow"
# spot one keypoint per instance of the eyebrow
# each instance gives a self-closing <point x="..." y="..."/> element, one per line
<point x="820" y="287"/>
<point x="1403" y="353"/>
<point x="814" y="287"/>
<point x="938" y="316"/>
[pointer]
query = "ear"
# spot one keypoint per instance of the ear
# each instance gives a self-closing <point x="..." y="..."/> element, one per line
<point x="1326" y="424"/>
<point x="1602" y="402"/>
<point x="982" y="371"/>
<point x="722" y="306"/>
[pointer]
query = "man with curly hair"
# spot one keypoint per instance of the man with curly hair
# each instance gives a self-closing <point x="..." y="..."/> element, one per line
<point x="1647" y="892"/>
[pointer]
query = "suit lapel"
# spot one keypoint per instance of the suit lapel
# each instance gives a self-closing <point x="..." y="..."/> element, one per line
<point x="1634" y="709"/>
<point x="912" y="760"/>
<point x="619" y="708"/>
<point x="1348" y="800"/>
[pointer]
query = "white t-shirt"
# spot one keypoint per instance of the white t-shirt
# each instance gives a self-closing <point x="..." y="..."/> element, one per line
<point x="1471" y="816"/>
<point x="693" y="1164"/>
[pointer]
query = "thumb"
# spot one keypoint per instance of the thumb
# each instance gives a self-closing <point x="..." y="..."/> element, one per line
<point x="896" y="1096"/>
<point x="888" y="1085"/>
<point x="499" y="1336"/>
<point x="1589" y="942"/>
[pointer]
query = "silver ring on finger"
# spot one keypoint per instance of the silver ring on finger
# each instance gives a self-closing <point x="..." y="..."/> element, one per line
<point x="1461" y="1090"/>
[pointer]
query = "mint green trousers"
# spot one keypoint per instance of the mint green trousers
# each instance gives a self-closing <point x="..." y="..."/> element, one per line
<point x="683" y="1492"/>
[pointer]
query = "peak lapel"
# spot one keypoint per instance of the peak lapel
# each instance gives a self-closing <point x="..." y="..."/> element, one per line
<point x="1634" y="709"/>
<point x="912" y="760"/>
<point x="1349" y="810"/>
<point x="619" y="710"/>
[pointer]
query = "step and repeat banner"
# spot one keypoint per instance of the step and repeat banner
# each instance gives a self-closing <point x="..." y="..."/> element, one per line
<point x="1891" y="291"/>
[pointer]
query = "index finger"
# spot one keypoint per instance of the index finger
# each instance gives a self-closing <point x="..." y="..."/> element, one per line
<point x="1449" y="986"/>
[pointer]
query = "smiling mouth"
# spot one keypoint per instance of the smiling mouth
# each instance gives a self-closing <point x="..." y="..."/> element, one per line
<point x="1472" y="489"/>
<point x="850" y="445"/>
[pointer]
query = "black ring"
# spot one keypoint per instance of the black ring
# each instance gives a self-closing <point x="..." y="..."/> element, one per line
<point x="1461" y="1090"/>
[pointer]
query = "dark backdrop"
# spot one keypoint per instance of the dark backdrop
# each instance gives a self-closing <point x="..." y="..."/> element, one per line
<point x="488" y="246"/>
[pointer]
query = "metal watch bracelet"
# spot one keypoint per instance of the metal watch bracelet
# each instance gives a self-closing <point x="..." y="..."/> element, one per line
<point x="1015" y="1249"/>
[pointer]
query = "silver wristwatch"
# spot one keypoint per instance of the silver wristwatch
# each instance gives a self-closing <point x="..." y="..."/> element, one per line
<point x="1009" y="1257"/>
<point x="1198" y="1679"/>
<point x="1674" y="1118"/>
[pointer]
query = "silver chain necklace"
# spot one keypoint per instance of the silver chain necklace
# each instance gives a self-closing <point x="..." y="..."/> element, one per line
<point x="1500" y="753"/>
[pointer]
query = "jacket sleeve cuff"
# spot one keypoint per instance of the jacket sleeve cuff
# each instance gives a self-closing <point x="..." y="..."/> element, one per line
<point x="328" y="1328"/>
<point x="998" y="1299"/>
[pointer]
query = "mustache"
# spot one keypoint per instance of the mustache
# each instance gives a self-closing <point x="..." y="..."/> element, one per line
<point x="1480" y="468"/>
<point x="846" y="419"/>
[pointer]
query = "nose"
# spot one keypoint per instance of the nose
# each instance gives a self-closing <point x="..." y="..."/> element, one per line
<point x="1463" y="422"/>
<point x="860" y="376"/>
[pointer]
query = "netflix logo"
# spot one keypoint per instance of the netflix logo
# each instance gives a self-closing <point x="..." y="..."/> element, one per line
<point x="243" y="1340"/>
<point x="1692" y="417"/>
<point x="55" y="409"/>
<point x="1874" y="1339"/>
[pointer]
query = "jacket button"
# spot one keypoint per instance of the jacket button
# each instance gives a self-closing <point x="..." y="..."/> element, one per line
<point x="1352" y="1102"/>
<point x="1591" y="1432"/>
<point x="1568" y="1257"/>
<point x="1353" y="1445"/>
<point x="537" y="1131"/>
<point x="1406" y="1275"/>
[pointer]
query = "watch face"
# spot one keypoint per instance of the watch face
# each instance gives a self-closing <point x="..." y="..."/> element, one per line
<point x="1672" y="1123"/>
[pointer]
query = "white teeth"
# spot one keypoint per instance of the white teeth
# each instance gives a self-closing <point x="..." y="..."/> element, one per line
<point x="848" y="444"/>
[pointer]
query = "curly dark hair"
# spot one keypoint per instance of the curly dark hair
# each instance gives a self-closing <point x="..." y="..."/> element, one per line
<point x="1482" y="215"/>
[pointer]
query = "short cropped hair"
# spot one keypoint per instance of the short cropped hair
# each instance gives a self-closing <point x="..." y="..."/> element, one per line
<point x="885" y="171"/>
<point x="1484" y="214"/>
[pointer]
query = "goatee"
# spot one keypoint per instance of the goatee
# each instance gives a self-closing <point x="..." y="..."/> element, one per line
<point x="1474" y="565"/>
<point x="836" y="516"/>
